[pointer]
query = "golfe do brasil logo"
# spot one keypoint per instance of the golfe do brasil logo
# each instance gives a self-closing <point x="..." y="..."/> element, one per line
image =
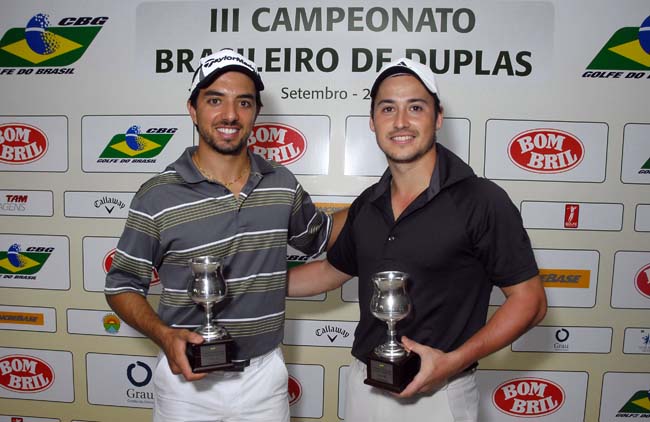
<point x="626" y="55"/>
<point x="39" y="44"/>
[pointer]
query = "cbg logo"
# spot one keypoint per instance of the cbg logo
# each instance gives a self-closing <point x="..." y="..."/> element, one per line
<point x="274" y="141"/>
<point x="14" y="263"/>
<point x="21" y="143"/>
<point x="133" y="146"/>
<point x="39" y="44"/>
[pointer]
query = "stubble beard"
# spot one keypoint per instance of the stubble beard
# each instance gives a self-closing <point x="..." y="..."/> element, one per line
<point x="415" y="156"/>
<point x="229" y="149"/>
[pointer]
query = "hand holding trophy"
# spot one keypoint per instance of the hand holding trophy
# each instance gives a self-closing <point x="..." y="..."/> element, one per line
<point x="207" y="287"/>
<point x="390" y="366"/>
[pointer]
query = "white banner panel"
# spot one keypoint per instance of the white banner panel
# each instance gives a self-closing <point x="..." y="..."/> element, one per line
<point x="546" y="396"/>
<point x="545" y="150"/>
<point x="39" y="203"/>
<point x="343" y="390"/>
<point x="34" y="143"/>
<point x="301" y="332"/>
<point x="319" y="46"/>
<point x="624" y="396"/>
<point x="572" y="216"/>
<point x="642" y="218"/>
<point x="97" y="259"/>
<point x="364" y="158"/>
<point x="301" y="143"/>
<point x="350" y="290"/>
<point x="306" y="386"/>
<point x="631" y="284"/>
<point x="34" y="262"/>
<point x="31" y="374"/>
<point x="15" y="418"/>
<point x="635" y="166"/>
<point x="27" y="318"/>
<point x="98" y="323"/>
<point x="570" y="277"/>
<point x="133" y="144"/>
<point x="97" y="204"/>
<point x="565" y="339"/>
<point x="128" y="383"/>
<point x="637" y="341"/>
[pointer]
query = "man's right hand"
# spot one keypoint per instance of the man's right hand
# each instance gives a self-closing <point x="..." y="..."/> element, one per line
<point x="174" y="343"/>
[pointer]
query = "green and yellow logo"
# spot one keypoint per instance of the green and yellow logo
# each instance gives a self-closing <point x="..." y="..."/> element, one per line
<point x="15" y="261"/>
<point x="39" y="45"/>
<point x="134" y="144"/>
<point x="639" y="403"/>
<point x="627" y="49"/>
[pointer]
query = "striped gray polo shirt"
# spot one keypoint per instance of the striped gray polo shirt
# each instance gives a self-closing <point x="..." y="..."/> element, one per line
<point x="178" y="214"/>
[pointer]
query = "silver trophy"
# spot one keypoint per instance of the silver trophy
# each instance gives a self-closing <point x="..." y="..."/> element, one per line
<point x="207" y="287"/>
<point x="389" y="365"/>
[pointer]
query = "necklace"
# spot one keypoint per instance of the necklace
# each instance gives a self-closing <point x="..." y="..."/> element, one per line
<point x="210" y="178"/>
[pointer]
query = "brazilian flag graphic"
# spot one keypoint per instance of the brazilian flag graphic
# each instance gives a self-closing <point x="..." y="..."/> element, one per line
<point x="133" y="144"/>
<point x="627" y="49"/>
<point x="39" y="45"/>
<point x="639" y="403"/>
<point x="14" y="261"/>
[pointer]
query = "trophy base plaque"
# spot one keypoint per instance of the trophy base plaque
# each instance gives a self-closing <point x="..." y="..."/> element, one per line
<point x="211" y="356"/>
<point x="392" y="375"/>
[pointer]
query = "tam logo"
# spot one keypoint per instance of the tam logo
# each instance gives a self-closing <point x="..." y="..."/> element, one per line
<point x="25" y="374"/>
<point x="546" y="151"/>
<point x="274" y="141"/>
<point x="21" y="143"/>
<point x="108" y="261"/>
<point x="528" y="397"/>
<point x="295" y="391"/>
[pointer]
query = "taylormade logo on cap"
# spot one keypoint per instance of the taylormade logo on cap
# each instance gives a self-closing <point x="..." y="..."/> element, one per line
<point x="222" y="61"/>
<point x="407" y="66"/>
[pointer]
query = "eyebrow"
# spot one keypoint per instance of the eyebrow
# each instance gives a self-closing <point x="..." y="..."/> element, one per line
<point x="215" y="93"/>
<point x="410" y="101"/>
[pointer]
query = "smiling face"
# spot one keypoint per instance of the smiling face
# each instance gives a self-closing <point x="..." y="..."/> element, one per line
<point x="225" y="113"/>
<point x="404" y="119"/>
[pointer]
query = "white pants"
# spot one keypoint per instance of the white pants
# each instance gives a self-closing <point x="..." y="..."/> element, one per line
<point x="259" y="393"/>
<point x="456" y="401"/>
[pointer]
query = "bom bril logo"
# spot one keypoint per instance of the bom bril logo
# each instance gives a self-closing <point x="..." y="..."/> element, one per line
<point x="21" y="143"/>
<point x="546" y="151"/>
<point x="25" y="374"/>
<point x="278" y="142"/>
<point x="108" y="261"/>
<point x="528" y="397"/>
<point x="295" y="390"/>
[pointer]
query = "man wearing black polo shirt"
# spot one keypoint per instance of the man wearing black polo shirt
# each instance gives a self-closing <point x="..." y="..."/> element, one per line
<point x="455" y="234"/>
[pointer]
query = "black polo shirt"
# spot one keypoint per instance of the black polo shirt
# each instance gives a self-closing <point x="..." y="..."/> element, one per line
<point x="456" y="240"/>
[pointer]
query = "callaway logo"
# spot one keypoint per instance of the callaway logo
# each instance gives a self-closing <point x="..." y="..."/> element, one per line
<point x="109" y="203"/>
<point x="332" y="332"/>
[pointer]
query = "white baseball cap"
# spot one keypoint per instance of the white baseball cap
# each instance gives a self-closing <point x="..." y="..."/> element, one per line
<point x="407" y="66"/>
<point x="210" y="67"/>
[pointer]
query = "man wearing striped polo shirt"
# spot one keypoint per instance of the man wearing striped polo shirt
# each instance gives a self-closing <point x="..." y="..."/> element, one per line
<point x="217" y="199"/>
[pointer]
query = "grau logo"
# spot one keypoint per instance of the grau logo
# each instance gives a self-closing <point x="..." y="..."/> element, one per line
<point x="147" y="377"/>
<point x="562" y="335"/>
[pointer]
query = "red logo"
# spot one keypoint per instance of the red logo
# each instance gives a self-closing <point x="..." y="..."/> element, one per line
<point x="546" y="151"/>
<point x="571" y="214"/>
<point x="16" y="419"/>
<point x="275" y="141"/>
<point x="25" y="374"/>
<point x="528" y="397"/>
<point x="295" y="390"/>
<point x="642" y="281"/>
<point x="108" y="261"/>
<point x="21" y="143"/>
